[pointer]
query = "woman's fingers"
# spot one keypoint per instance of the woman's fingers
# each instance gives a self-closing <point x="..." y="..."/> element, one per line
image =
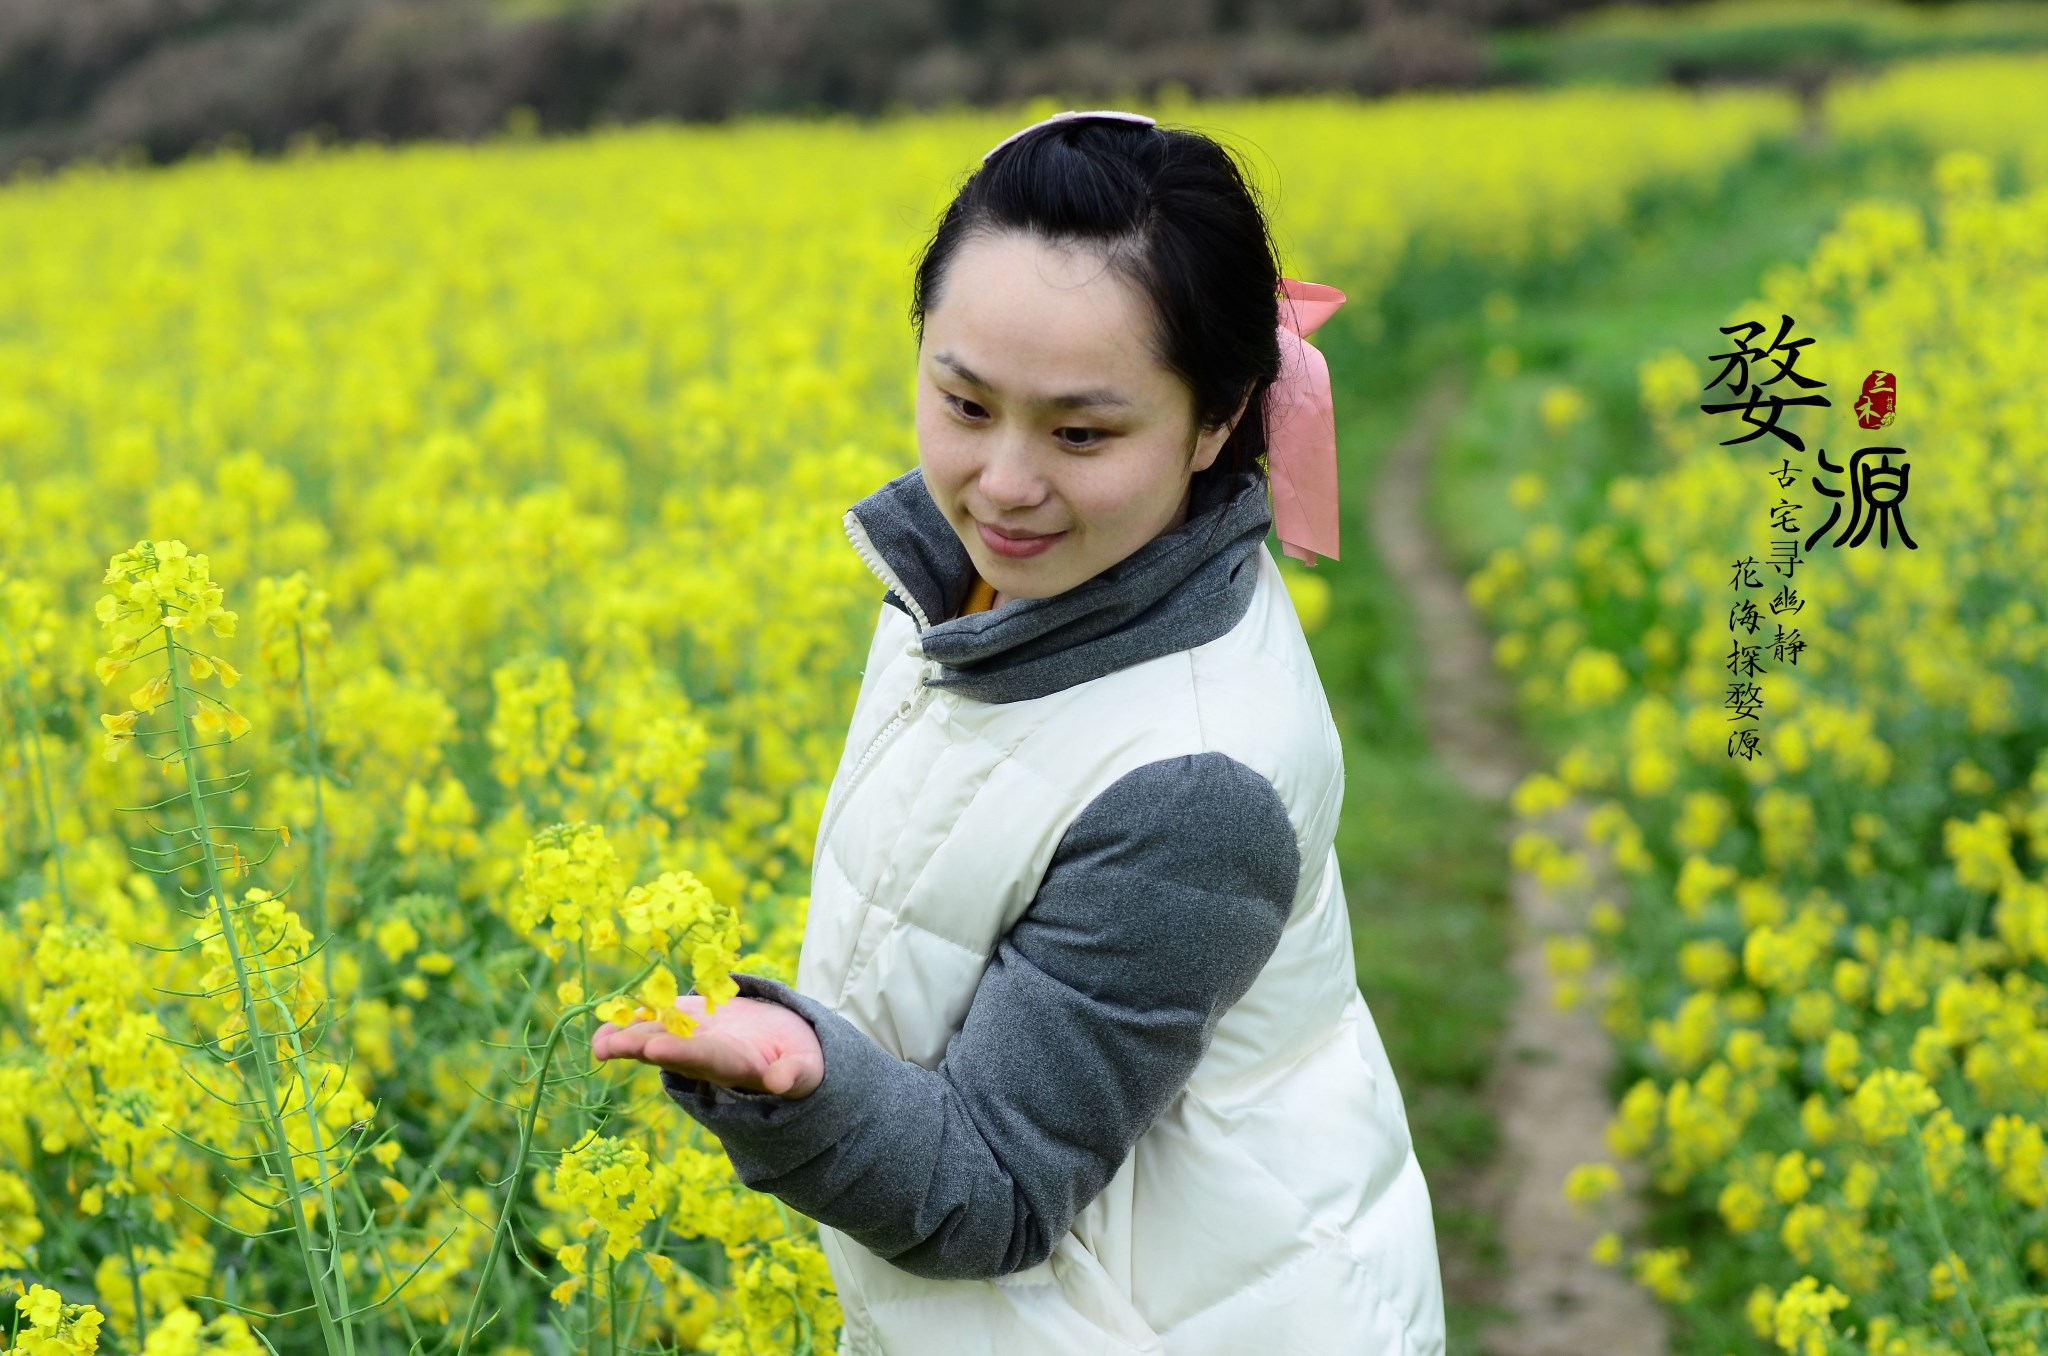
<point x="620" y="1042"/>
<point x="650" y="1041"/>
<point x="748" y="1044"/>
<point x="708" y="1053"/>
<point x="630" y="1041"/>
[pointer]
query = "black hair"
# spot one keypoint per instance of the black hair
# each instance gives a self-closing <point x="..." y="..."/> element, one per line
<point x="1179" y="221"/>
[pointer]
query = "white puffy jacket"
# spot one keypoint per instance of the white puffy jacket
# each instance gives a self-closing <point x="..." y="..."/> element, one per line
<point x="1276" y="1205"/>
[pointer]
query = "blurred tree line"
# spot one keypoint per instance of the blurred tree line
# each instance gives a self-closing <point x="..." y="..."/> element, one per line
<point x="167" y="77"/>
<point x="80" y="77"/>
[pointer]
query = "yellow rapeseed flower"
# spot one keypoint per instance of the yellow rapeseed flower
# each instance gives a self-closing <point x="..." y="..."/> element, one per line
<point x="1706" y="963"/>
<point x="1803" y="1323"/>
<point x="1946" y="1277"/>
<point x="50" y="1327"/>
<point x="2016" y="1148"/>
<point x="1792" y="1176"/>
<point x="1588" y="1183"/>
<point x="1662" y="1271"/>
<point x="1887" y="1101"/>
<point x="1742" y="1206"/>
<point x="1761" y="1309"/>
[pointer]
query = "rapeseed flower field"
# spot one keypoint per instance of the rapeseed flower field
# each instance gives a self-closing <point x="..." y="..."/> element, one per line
<point x="1827" y="959"/>
<point x="425" y="631"/>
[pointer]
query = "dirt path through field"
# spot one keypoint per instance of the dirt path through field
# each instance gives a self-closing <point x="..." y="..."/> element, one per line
<point x="1549" y="1090"/>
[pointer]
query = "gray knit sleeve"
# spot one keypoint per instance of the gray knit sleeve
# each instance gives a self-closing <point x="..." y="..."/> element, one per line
<point x="1163" y="901"/>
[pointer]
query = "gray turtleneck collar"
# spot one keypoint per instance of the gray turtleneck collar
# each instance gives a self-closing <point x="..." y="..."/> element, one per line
<point x="1181" y="589"/>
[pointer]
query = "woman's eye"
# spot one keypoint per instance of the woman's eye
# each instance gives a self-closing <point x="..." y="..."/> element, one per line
<point x="969" y="410"/>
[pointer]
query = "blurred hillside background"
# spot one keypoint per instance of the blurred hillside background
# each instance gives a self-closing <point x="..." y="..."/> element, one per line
<point x="157" y="80"/>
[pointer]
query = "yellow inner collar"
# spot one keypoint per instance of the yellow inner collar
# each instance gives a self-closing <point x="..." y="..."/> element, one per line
<point x="981" y="597"/>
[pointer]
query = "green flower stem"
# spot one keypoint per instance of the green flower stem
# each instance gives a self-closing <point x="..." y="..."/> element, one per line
<point x="32" y="744"/>
<point x="1984" y="1194"/>
<point x="796" y="1290"/>
<point x="611" y="1296"/>
<point x="589" y="1059"/>
<point x="663" y="1227"/>
<point x="134" y="1266"/>
<point x="319" y="847"/>
<point x="339" y="1337"/>
<point x="590" y="1311"/>
<point x="582" y="1123"/>
<point x="326" y="1177"/>
<point x="639" y="1301"/>
<point x="503" y="1231"/>
<point x="412" y="1336"/>
<point x="512" y="1182"/>
<point x="1941" y="1238"/>
<point x="457" y="1132"/>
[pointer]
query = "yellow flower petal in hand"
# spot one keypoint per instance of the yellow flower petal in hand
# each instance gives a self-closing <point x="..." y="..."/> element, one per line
<point x="659" y="992"/>
<point x="717" y="989"/>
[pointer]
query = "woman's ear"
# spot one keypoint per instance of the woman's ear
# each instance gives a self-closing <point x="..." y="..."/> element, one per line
<point x="1210" y="444"/>
<point x="1247" y="400"/>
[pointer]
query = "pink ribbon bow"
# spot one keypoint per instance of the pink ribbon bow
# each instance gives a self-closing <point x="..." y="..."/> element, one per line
<point x="1301" y="439"/>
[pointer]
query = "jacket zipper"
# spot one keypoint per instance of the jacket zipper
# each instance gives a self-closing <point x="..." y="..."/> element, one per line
<point x="908" y="707"/>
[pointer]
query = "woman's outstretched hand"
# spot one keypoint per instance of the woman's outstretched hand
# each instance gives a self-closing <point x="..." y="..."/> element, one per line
<point x="749" y="1043"/>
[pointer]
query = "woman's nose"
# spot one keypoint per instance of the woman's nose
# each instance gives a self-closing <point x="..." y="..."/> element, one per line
<point x="1009" y="479"/>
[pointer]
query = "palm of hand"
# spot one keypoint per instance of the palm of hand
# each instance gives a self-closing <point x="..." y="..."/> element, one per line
<point x="749" y="1044"/>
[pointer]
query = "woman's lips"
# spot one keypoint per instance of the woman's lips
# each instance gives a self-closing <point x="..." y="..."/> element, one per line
<point x="1015" y="547"/>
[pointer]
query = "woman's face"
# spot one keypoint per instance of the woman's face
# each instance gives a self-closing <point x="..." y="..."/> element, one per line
<point x="1040" y="413"/>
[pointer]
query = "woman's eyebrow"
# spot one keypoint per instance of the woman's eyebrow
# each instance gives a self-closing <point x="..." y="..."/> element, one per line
<point x="1077" y="400"/>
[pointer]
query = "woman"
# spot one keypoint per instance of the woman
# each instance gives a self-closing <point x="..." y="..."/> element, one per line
<point x="1076" y="1060"/>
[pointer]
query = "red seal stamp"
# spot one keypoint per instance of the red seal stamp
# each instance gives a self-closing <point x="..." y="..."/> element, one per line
<point x="1879" y="403"/>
